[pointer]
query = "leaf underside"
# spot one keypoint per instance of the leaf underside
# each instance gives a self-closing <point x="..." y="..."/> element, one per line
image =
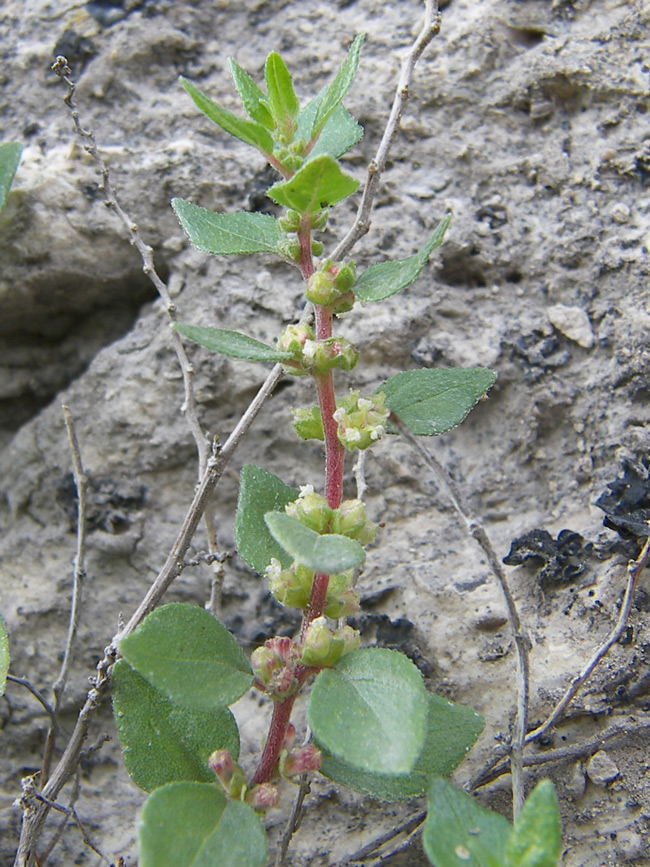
<point x="230" y="343"/>
<point x="326" y="554"/>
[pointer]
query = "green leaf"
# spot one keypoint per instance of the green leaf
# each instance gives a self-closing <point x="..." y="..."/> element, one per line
<point x="371" y="710"/>
<point x="433" y="401"/>
<point x="260" y="492"/>
<point x="249" y="132"/>
<point x="340" y="133"/>
<point x="230" y="343"/>
<point x="252" y="97"/>
<point x="331" y="96"/>
<point x="183" y="652"/>
<point x="228" y="234"/>
<point x="460" y="833"/>
<point x="327" y="554"/>
<point x="388" y="278"/>
<point x="282" y="97"/>
<point x="163" y="742"/>
<point x="9" y="158"/>
<point x="4" y="656"/>
<point x="192" y="825"/>
<point x="318" y="184"/>
<point x="451" y="730"/>
<point x="536" y="840"/>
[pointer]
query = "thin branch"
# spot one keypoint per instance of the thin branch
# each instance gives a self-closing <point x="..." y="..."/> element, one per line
<point x="522" y="643"/>
<point x="295" y="817"/>
<point x="79" y="576"/>
<point x="563" y="754"/>
<point x="634" y="569"/>
<point x="189" y="407"/>
<point x="567" y="754"/>
<point x="47" y="707"/>
<point x="361" y="225"/>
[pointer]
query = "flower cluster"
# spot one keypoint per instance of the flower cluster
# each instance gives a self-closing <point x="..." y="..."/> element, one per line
<point x="316" y="357"/>
<point x="361" y="420"/>
<point x="330" y="286"/>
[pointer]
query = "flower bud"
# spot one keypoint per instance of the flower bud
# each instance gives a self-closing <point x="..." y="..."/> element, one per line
<point x="345" y="277"/>
<point x="289" y="249"/>
<point x="289" y="737"/>
<point x="308" y="423"/>
<point x="317" y="643"/>
<point x="342" y="605"/>
<point x="264" y="663"/>
<point x="350" y="520"/>
<point x="322" y="647"/>
<point x="291" y="221"/>
<point x="321" y="289"/>
<point x="291" y="587"/>
<point x="319" y="356"/>
<point x="228" y="772"/>
<point x="302" y="760"/>
<point x="318" y="220"/>
<point x="311" y="509"/>
<point x="282" y="684"/>
<point x="263" y="797"/>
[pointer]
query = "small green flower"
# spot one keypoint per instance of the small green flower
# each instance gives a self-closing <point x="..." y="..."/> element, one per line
<point x="361" y="420"/>
<point x="308" y="423"/>
<point x="311" y="509"/>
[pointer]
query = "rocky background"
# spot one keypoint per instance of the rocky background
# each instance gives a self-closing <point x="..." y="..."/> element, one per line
<point x="529" y="121"/>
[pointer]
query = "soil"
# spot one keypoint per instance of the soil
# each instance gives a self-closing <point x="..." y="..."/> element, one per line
<point x="529" y="122"/>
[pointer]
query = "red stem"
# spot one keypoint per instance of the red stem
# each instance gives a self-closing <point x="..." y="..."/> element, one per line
<point x="334" y="461"/>
<point x="279" y="722"/>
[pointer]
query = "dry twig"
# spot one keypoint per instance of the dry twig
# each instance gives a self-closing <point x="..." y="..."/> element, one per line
<point x="522" y="643"/>
<point x="79" y="576"/>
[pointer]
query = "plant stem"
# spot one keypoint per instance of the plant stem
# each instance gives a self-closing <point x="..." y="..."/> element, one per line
<point x="277" y="731"/>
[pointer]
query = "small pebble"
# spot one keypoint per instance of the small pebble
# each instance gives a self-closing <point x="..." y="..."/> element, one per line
<point x="573" y="322"/>
<point x="601" y="769"/>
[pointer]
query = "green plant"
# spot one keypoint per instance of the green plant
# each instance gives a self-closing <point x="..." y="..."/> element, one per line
<point x="374" y="726"/>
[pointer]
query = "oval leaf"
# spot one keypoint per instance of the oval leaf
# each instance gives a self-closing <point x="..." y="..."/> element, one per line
<point x="4" y="656"/>
<point x="326" y="554"/>
<point x="431" y="402"/>
<point x="388" y="278"/>
<point x="228" y="234"/>
<point x="183" y="652"/>
<point x="9" y="158"/>
<point x="370" y="710"/>
<point x="319" y="183"/>
<point x="260" y="492"/>
<point x="249" y="132"/>
<point x="536" y="840"/>
<point x="451" y="731"/>
<point x="163" y="742"/>
<point x="460" y="833"/>
<point x="230" y="343"/>
<point x="192" y="825"/>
